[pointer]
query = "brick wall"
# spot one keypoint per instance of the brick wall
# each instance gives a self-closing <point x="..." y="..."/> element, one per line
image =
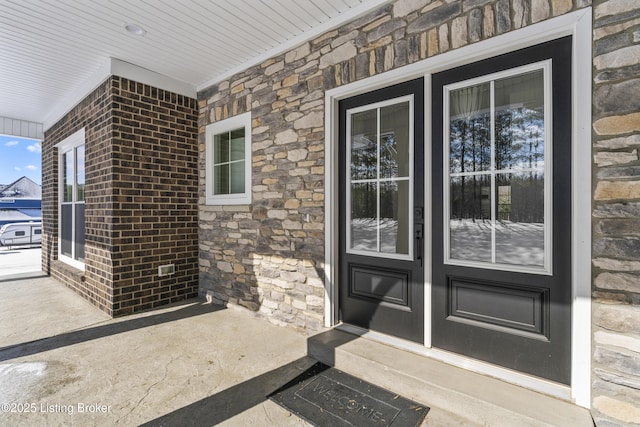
<point x="616" y="213"/>
<point x="154" y="199"/>
<point x="94" y="115"/>
<point x="141" y="197"/>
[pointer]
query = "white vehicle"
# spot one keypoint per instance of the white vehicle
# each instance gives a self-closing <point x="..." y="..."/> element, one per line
<point x="21" y="234"/>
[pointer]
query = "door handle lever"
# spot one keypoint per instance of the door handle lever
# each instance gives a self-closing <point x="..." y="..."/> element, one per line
<point x="419" y="237"/>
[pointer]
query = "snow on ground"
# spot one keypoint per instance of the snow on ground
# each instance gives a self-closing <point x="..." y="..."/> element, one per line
<point x="516" y="243"/>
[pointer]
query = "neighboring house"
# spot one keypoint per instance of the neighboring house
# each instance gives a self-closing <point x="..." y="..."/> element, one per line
<point x="20" y="201"/>
<point x="458" y="175"/>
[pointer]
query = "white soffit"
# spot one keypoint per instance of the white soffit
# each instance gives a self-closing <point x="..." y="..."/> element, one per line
<point x="52" y="51"/>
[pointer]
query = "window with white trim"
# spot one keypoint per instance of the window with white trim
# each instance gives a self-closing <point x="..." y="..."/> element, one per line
<point x="228" y="161"/>
<point x="71" y="218"/>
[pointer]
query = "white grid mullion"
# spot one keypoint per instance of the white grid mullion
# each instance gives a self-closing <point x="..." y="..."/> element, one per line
<point x="493" y="168"/>
<point x="228" y="162"/>
<point x="74" y="189"/>
<point x="378" y="179"/>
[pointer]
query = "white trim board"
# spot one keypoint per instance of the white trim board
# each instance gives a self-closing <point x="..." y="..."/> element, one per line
<point x="69" y="143"/>
<point x="115" y="67"/>
<point x="21" y="128"/>
<point x="577" y="24"/>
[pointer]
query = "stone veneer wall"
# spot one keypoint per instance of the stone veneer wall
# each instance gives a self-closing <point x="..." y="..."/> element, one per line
<point x="616" y="213"/>
<point x="268" y="256"/>
<point x="141" y="197"/>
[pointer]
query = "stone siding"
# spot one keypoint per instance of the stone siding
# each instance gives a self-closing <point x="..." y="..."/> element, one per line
<point x="140" y="197"/>
<point x="616" y="213"/>
<point x="285" y="94"/>
<point x="268" y="256"/>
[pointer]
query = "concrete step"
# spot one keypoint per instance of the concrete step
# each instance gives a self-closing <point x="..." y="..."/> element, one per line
<point x="456" y="396"/>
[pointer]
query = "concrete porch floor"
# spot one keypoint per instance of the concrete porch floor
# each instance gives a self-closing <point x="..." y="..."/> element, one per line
<point x="191" y="364"/>
<point x="63" y="362"/>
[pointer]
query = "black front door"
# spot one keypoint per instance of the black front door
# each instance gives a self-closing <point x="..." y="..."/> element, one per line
<point x="381" y="208"/>
<point x="502" y="210"/>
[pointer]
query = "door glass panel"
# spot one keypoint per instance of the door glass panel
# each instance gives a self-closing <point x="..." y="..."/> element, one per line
<point x="497" y="194"/>
<point x="364" y="216"/>
<point x="520" y="224"/>
<point x="394" y="222"/>
<point x="394" y="144"/>
<point x="520" y="121"/>
<point x="364" y="145"/>
<point x="380" y="146"/>
<point x="470" y="129"/>
<point x="470" y="218"/>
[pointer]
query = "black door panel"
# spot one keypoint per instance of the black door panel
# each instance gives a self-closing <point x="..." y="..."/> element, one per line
<point x="380" y="212"/>
<point x="519" y="318"/>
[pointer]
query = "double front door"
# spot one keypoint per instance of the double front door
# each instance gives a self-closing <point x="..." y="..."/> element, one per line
<point x="499" y="208"/>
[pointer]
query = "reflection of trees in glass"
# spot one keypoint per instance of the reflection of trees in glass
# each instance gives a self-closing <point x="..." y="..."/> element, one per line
<point x="389" y="201"/>
<point x="364" y="157"/>
<point x="470" y="151"/>
<point x="519" y="138"/>
<point x="364" y="201"/>
<point x="470" y="143"/>
<point x="364" y="161"/>
<point x="388" y="155"/>
<point x="526" y="197"/>
<point x="504" y="202"/>
<point x="80" y="192"/>
<point x="364" y="165"/>
<point x="469" y="197"/>
<point x="519" y="144"/>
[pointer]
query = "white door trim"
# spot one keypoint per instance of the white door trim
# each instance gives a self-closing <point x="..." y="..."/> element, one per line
<point x="577" y="24"/>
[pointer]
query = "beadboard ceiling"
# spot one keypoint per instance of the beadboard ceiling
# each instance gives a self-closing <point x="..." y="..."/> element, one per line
<point x="49" y="49"/>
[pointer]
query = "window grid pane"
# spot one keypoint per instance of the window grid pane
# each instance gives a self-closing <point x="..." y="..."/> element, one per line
<point x="80" y="179"/>
<point x="68" y="176"/>
<point x="495" y="128"/>
<point x="221" y="179"/>
<point x="221" y="149"/>
<point x="229" y="162"/>
<point x="72" y="221"/>
<point x="236" y="177"/>
<point x="237" y="144"/>
<point x="379" y="178"/>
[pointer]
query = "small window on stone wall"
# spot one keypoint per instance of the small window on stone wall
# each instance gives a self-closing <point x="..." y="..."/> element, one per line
<point x="228" y="161"/>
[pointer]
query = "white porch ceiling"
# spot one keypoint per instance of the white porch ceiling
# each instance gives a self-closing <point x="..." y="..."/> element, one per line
<point x="50" y="49"/>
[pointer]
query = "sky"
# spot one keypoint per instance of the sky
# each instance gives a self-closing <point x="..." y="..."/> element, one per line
<point x="20" y="157"/>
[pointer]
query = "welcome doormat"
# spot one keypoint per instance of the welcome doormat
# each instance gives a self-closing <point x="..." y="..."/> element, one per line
<point x="326" y="396"/>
